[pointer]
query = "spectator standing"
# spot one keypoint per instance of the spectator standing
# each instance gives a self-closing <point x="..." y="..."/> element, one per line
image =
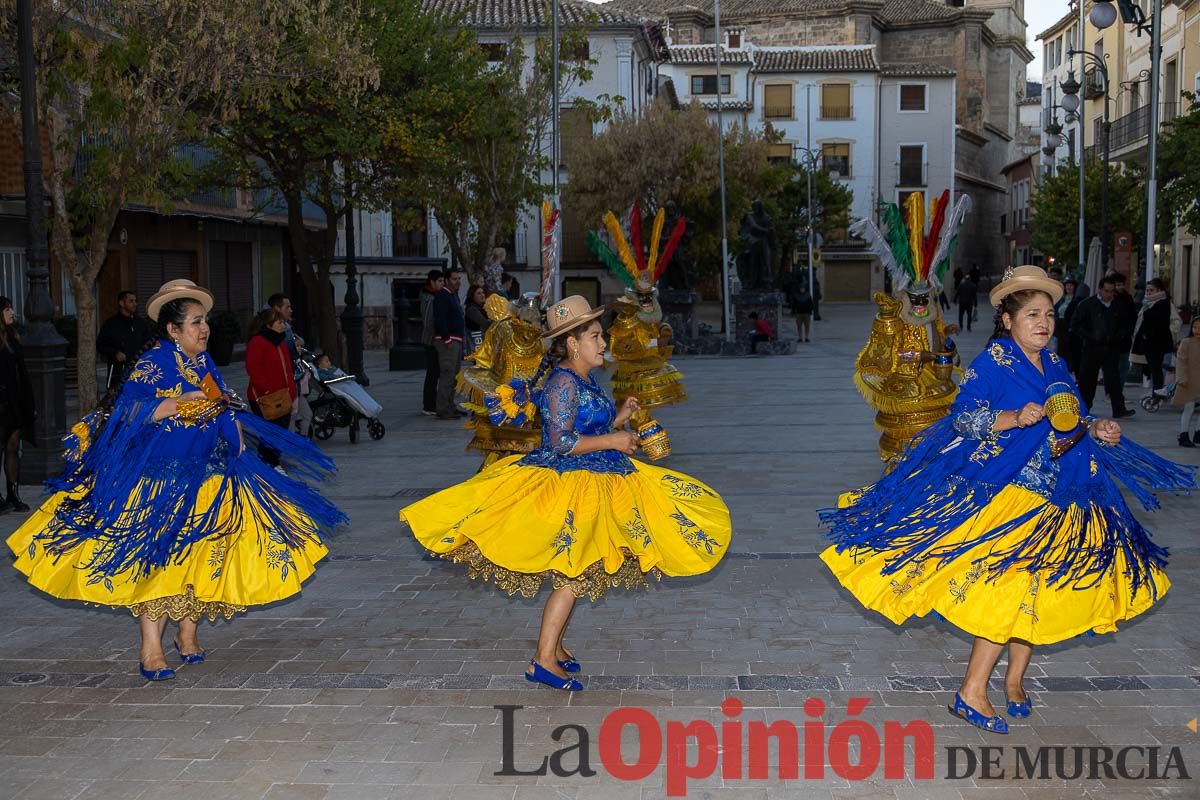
<point x="966" y="296"/>
<point x="122" y="336"/>
<point x="16" y="405"/>
<point x="1127" y="312"/>
<point x="301" y="414"/>
<point x="1098" y="325"/>
<point x="510" y="286"/>
<point x="476" y="318"/>
<point x="975" y="278"/>
<point x="493" y="271"/>
<point x="1064" y="311"/>
<point x="433" y="284"/>
<point x="816" y="294"/>
<point x="1187" y="386"/>
<point x="449" y="330"/>
<point x="802" y="307"/>
<point x="1152" y="334"/>
<point x="762" y="332"/>
<point x="272" y="389"/>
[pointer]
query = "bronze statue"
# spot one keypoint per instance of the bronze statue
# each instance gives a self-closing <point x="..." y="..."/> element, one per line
<point x="756" y="264"/>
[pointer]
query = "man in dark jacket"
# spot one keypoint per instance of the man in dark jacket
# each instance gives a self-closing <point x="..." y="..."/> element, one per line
<point x="1128" y="310"/>
<point x="1098" y="325"/>
<point x="433" y="284"/>
<point x="966" y="295"/>
<point x="122" y="337"/>
<point x="449" y="330"/>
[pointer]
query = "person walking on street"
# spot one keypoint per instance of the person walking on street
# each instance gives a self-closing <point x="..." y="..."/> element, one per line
<point x="1098" y="324"/>
<point x="802" y="308"/>
<point x="122" y="337"/>
<point x="16" y="405"/>
<point x="272" y="390"/>
<point x="1187" y="386"/>
<point x="1127" y="312"/>
<point x="816" y="294"/>
<point x="967" y="296"/>
<point x="1152" y="335"/>
<point x="449" y="330"/>
<point x="301" y="417"/>
<point x="433" y="284"/>
<point x="1064" y="310"/>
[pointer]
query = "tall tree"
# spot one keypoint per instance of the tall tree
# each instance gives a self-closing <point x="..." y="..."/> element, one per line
<point x="1179" y="157"/>
<point x="1054" y="207"/>
<point x="668" y="154"/>
<point x="474" y="148"/>
<point x="123" y="86"/>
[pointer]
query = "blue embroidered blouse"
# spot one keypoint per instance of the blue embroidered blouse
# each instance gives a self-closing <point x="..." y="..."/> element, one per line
<point x="572" y="407"/>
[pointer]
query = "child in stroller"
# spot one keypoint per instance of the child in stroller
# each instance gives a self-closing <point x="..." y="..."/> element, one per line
<point x="341" y="401"/>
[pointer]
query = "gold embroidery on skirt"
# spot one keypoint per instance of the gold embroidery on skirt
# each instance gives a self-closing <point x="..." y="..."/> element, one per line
<point x="592" y="583"/>
<point x="179" y="606"/>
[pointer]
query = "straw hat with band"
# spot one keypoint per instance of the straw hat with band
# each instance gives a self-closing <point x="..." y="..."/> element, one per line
<point x="177" y="290"/>
<point x="1020" y="279"/>
<point x="568" y="314"/>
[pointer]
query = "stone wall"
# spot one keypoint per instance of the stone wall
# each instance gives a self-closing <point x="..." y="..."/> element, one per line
<point x="779" y="31"/>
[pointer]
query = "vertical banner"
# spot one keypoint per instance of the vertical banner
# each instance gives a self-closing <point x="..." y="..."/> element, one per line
<point x="551" y="251"/>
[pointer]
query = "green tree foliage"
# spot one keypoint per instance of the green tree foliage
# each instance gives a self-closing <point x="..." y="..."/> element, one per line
<point x="668" y="154"/>
<point x="831" y="210"/>
<point x="1054" y="208"/>
<point x="1179" y="168"/>
<point x="473" y="141"/>
<point x="124" y="86"/>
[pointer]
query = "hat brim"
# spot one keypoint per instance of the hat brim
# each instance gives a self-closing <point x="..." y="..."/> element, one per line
<point x="571" y="325"/>
<point x="160" y="299"/>
<point x="1024" y="283"/>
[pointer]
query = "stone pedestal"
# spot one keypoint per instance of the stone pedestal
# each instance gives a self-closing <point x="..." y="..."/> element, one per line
<point x="769" y="306"/>
<point x="679" y="311"/>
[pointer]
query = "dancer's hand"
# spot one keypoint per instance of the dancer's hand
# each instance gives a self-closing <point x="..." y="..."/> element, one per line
<point x="624" y="442"/>
<point x="1031" y="414"/>
<point x="1107" y="431"/>
<point x="627" y="408"/>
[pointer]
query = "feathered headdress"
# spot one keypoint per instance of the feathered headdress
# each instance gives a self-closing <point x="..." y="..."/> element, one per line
<point x="629" y="262"/>
<point x="912" y="256"/>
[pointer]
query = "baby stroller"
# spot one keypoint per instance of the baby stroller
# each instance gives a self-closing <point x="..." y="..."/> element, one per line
<point x="340" y="403"/>
<point x="1156" y="398"/>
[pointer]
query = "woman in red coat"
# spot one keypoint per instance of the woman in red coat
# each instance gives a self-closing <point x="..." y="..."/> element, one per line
<point x="269" y="365"/>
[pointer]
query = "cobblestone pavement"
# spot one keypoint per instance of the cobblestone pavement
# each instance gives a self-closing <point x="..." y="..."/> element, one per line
<point x="381" y="680"/>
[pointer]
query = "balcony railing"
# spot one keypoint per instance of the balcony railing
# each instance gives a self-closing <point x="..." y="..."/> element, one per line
<point x="778" y="111"/>
<point x="1135" y="125"/>
<point x="836" y="112"/>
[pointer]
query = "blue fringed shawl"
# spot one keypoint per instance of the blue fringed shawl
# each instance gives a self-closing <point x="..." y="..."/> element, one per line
<point x="131" y="483"/>
<point x="956" y="467"/>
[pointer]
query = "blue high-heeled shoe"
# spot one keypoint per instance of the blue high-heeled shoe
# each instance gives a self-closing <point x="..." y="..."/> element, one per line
<point x="189" y="658"/>
<point x="996" y="724"/>
<point x="1020" y="709"/>
<point x="542" y="675"/>
<point x="164" y="674"/>
<point x="569" y="664"/>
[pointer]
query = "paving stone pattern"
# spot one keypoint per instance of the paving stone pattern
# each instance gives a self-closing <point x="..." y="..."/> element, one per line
<point x="380" y="681"/>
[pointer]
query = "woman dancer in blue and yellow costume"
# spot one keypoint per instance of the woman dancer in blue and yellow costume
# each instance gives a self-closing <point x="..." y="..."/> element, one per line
<point x="164" y="509"/>
<point x="1003" y="518"/>
<point x="577" y="512"/>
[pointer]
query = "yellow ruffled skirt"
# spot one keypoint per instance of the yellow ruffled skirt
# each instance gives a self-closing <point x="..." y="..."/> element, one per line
<point x="1016" y="604"/>
<point x="519" y="526"/>
<point x="219" y="576"/>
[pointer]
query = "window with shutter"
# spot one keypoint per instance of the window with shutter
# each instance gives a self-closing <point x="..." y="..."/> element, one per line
<point x="912" y="97"/>
<point x="574" y="132"/>
<point x="156" y="267"/>
<point x="836" y="158"/>
<point x="835" y="101"/>
<point x="777" y="101"/>
<point x="780" y="153"/>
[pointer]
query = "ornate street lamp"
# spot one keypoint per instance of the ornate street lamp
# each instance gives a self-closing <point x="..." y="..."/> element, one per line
<point x="1071" y="103"/>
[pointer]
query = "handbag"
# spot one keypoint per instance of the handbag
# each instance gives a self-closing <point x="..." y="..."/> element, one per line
<point x="278" y="403"/>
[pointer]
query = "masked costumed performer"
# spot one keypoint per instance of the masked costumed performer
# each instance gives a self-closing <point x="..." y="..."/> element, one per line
<point x="577" y="512"/>
<point x="1004" y="517"/>
<point x="641" y="341"/>
<point x="165" y="508"/>
<point x="906" y="371"/>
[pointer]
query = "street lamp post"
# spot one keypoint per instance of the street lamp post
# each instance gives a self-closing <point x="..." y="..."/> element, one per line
<point x="810" y="159"/>
<point x="45" y="349"/>
<point x="1103" y="15"/>
<point x="1071" y="103"/>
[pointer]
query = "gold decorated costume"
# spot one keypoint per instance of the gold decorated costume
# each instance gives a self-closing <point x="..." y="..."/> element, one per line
<point x="640" y="343"/>
<point x="512" y="348"/>
<point x="907" y="370"/>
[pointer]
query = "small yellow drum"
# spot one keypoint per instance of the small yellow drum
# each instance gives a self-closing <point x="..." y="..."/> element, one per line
<point x="1062" y="407"/>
